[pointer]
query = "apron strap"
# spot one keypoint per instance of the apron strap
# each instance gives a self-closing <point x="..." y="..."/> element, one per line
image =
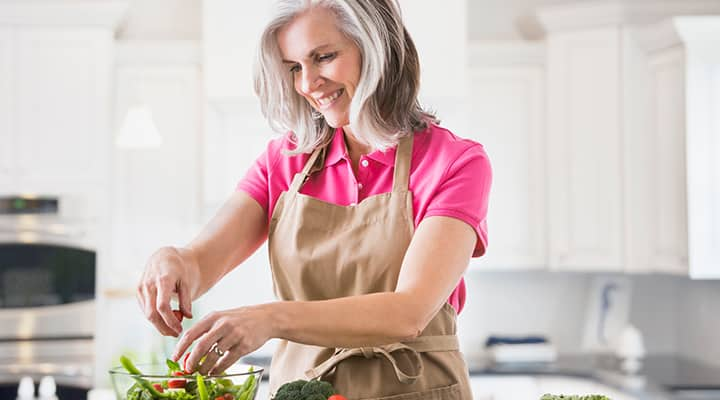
<point x="301" y="177"/>
<point x="421" y="344"/>
<point x="403" y="156"/>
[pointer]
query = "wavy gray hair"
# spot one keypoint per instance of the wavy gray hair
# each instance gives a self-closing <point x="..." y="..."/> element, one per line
<point x="385" y="106"/>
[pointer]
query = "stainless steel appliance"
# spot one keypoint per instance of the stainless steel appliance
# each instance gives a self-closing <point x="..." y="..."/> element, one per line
<point x="47" y="293"/>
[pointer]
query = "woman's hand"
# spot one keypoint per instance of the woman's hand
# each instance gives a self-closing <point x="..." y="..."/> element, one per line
<point x="170" y="272"/>
<point x="234" y="333"/>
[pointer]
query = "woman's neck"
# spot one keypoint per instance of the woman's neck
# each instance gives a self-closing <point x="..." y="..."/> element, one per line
<point x="355" y="148"/>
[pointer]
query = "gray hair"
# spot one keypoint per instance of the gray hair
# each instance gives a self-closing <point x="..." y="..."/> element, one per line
<point x="385" y="105"/>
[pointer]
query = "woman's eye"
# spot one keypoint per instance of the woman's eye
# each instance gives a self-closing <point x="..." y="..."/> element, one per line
<point x="326" y="57"/>
<point x="295" y="68"/>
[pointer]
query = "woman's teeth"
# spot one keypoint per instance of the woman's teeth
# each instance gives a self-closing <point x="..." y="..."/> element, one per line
<point x="327" y="100"/>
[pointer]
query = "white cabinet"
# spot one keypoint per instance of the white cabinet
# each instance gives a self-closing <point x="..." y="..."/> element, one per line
<point x="684" y="63"/>
<point x="155" y="191"/>
<point x="507" y="108"/>
<point x="6" y="138"/>
<point x="655" y="189"/>
<point x="60" y="84"/>
<point x="231" y="33"/>
<point x="53" y="110"/>
<point x="621" y="185"/>
<point x="55" y="70"/>
<point x="584" y="150"/>
<point x="440" y="79"/>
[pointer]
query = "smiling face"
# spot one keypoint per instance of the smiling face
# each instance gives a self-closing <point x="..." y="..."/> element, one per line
<point x="323" y="62"/>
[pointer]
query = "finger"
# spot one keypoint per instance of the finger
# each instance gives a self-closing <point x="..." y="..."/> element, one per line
<point x="211" y="359"/>
<point x="202" y="347"/>
<point x="140" y="298"/>
<point x="191" y="334"/>
<point x="184" y="300"/>
<point x="226" y="361"/>
<point x="163" y="308"/>
<point x="151" y="313"/>
<point x="199" y="351"/>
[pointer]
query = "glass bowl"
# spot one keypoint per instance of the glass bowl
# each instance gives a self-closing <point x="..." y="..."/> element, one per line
<point x="239" y="382"/>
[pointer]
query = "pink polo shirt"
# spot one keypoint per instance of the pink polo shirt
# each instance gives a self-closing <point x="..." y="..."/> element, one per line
<point x="449" y="176"/>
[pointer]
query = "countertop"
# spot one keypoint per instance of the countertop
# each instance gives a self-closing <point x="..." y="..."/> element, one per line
<point x="660" y="378"/>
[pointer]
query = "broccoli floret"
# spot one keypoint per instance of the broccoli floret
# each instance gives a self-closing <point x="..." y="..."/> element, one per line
<point x="304" y="390"/>
<point x="318" y="387"/>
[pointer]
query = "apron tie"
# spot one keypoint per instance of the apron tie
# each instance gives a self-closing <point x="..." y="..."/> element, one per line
<point x="372" y="352"/>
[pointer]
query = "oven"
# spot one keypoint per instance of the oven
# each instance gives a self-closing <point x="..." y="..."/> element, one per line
<point x="47" y="294"/>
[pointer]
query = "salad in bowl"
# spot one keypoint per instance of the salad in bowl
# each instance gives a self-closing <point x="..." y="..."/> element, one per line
<point x="170" y="381"/>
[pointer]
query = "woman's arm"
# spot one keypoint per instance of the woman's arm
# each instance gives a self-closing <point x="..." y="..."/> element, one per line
<point x="233" y="235"/>
<point x="433" y="265"/>
<point x="228" y="239"/>
<point x="437" y="257"/>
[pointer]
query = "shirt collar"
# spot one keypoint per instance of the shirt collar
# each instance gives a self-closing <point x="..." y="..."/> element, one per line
<point x="338" y="151"/>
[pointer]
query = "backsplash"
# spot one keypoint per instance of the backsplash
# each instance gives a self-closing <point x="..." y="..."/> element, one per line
<point x="699" y="320"/>
<point x="555" y="304"/>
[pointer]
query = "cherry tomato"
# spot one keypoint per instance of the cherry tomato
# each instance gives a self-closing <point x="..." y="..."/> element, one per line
<point x="178" y="373"/>
<point x="176" y="383"/>
<point x="178" y="315"/>
<point x="337" y="397"/>
<point x="158" y="387"/>
<point x="228" y="396"/>
<point x="185" y="366"/>
<point x="220" y="398"/>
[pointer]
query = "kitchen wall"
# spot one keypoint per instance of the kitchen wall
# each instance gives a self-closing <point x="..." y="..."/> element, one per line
<point x="555" y="304"/>
<point x="698" y="327"/>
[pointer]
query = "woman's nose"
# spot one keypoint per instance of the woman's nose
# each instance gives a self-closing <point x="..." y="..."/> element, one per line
<point x="310" y="80"/>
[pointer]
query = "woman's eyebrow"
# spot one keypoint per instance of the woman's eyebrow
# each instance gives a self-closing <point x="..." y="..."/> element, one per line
<point x="311" y="54"/>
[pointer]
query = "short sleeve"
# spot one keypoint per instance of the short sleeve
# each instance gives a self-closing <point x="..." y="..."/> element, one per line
<point x="256" y="180"/>
<point x="463" y="193"/>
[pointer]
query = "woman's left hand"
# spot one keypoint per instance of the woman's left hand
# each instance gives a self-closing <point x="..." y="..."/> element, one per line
<point x="234" y="333"/>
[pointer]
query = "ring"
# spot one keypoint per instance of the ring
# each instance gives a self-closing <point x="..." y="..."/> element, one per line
<point x="215" y="349"/>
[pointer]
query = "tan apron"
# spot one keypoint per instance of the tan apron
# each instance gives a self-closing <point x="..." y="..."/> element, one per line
<point x="321" y="251"/>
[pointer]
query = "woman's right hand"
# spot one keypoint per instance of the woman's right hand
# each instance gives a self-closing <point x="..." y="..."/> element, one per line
<point x="170" y="272"/>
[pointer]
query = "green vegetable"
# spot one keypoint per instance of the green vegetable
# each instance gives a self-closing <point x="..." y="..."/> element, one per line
<point x="305" y="390"/>
<point x="128" y="365"/>
<point x="574" y="397"/>
<point x="201" y="388"/>
<point x="172" y="366"/>
<point x="248" y="388"/>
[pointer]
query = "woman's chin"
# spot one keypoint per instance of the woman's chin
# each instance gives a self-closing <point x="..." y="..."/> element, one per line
<point x="336" y="121"/>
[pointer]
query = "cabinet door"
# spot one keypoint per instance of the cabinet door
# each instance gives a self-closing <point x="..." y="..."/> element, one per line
<point x="231" y="31"/>
<point x="507" y="108"/>
<point x="584" y="150"/>
<point x="6" y="80"/>
<point x="656" y="191"/>
<point x="60" y="106"/>
<point x="155" y="190"/>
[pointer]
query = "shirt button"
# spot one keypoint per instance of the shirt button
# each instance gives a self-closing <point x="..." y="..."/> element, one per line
<point x="360" y="186"/>
<point x="364" y="163"/>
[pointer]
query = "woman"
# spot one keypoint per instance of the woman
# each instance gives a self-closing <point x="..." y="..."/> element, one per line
<point x="371" y="211"/>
